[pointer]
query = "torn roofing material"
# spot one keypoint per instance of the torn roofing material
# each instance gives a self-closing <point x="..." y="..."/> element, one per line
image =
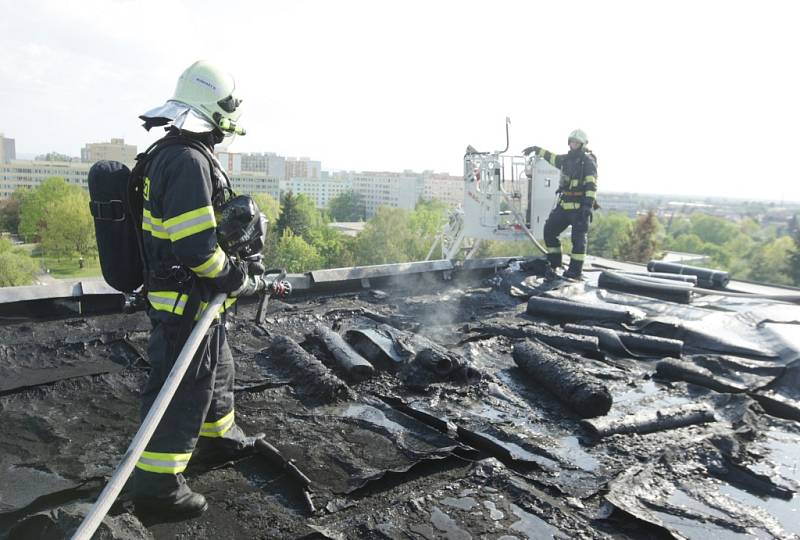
<point x="414" y="447"/>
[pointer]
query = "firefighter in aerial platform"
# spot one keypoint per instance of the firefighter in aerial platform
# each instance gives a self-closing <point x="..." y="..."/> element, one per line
<point x="185" y="265"/>
<point x="576" y="202"/>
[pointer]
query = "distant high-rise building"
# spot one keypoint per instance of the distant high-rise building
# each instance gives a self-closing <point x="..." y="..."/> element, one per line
<point x="321" y="191"/>
<point x="7" y="149"/>
<point x="302" y="168"/>
<point x="397" y="190"/>
<point x="16" y="174"/>
<point x="443" y="187"/>
<point x="114" y="150"/>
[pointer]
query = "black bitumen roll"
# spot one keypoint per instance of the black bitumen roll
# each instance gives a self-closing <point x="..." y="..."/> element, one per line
<point x="671" y="368"/>
<point x="346" y="358"/>
<point x="663" y="275"/>
<point x="678" y="292"/>
<point x="564" y="377"/>
<point x="650" y="421"/>
<point x="706" y="277"/>
<point x="628" y="342"/>
<point x="585" y="345"/>
<point x="310" y="375"/>
<point x="568" y="311"/>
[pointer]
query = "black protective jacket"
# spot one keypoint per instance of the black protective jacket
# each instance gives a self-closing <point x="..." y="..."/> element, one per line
<point x="181" y="191"/>
<point x="579" y="177"/>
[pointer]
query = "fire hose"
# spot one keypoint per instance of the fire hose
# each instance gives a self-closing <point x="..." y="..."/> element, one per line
<point x="112" y="490"/>
<point x="150" y="423"/>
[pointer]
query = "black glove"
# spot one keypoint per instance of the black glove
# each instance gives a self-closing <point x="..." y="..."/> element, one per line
<point x="585" y="213"/>
<point x="530" y="149"/>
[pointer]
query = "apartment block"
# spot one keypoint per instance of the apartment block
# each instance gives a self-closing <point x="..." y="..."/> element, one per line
<point x="396" y="190"/>
<point x="114" y="150"/>
<point x="8" y="150"/>
<point x="30" y="174"/>
<point x="443" y="187"/>
<point x="250" y="183"/>
<point x="321" y="191"/>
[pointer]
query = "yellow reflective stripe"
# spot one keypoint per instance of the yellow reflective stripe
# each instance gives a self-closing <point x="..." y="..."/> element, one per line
<point x="225" y="305"/>
<point x="553" y="249"/>
<point x="159" y="462"/>
<point x="166" y="301"/>
<point x="578" y="256"/>
<point x="591" y="194"/>
<point x="217" y="428"/>
<point x="153" y="225"/>
<point x="190" y="223"/>
<point x="170" y="301"/>
<point x="589" y="179"/>
<point x="574" y="182"/>
<point x="570" y="205"/>
<point x="552" y="159"/>
<point x="213" y="266"/>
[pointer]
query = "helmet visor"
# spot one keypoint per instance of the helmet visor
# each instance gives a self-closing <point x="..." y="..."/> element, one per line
<point x="229" y="104"/>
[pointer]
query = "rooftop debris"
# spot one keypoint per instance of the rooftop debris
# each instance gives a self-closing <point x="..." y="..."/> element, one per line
<point x="445" y="433"/>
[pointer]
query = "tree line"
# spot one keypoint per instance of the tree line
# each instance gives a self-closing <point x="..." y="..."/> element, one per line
<point x="55" y="216"/>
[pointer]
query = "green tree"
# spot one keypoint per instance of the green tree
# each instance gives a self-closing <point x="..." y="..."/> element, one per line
<point x="607" y="233"/>
<point x="335" y="248"/>
<point x="713" y="229"/>
<point x="426" y="222"/>
<point x="269" y="206"/>
<point x="297" y="255"/>
<point x="386" y="238"/>
<point x="771" y="262"/>
<point x="10" y="211"/>
<point x="794" y="255"/>
<point x="298" y="215"/>
<point x="348" y="206"/>
<point x="641" y="243"/>
<point x="70" y="227"/>
<point x="16" y="267"/>
<point x="33" y="210"/>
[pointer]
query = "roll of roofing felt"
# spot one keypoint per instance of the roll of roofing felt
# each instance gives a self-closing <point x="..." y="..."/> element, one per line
<point x="706" y="277"/>
<point x="662" y="289"/>
<point x="662" y="275"/>
<point x="566" y="310"/>
<point x="563" y="377"/>
<point x="629" y="342"/>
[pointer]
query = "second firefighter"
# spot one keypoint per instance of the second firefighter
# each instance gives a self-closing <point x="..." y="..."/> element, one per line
<point x="576" y="202"/>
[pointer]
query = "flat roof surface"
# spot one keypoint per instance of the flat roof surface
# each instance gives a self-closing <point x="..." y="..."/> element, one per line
<point x="457" y="434"/>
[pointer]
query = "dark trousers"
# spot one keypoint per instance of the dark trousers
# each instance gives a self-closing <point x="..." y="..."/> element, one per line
<point x="202" y="407"/>
<point x="557" y="222"/>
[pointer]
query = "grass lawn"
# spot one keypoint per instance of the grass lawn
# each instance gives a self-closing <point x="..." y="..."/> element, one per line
<point x="69" y="267"/>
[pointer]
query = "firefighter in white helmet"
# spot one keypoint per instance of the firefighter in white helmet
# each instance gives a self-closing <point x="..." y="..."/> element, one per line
<point x="576" y="202"/>
<point x="185" y="266"/>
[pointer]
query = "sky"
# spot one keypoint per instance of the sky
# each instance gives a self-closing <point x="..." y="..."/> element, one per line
<point x="677" y="97"/>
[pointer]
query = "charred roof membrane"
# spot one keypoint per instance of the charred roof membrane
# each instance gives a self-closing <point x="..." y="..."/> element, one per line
<point x="76" y="429"/>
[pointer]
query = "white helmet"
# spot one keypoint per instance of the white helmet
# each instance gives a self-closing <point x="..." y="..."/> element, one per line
<point x="204" y="99"/>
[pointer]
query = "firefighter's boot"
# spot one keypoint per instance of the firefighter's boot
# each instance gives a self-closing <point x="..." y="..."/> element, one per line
<point x="575" y="270"/>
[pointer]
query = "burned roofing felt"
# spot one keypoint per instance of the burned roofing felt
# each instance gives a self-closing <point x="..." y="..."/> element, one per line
<point x="474" y="416"/>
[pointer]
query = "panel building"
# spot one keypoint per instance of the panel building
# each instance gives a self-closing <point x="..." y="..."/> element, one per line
<point x="321" y="191"/>
<point x="114" y="150"/>
<point x="397" y="190"/>
<point x="8" y="150"/>
<point x="443" y="187"/>
<point x="30" y="174"/>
